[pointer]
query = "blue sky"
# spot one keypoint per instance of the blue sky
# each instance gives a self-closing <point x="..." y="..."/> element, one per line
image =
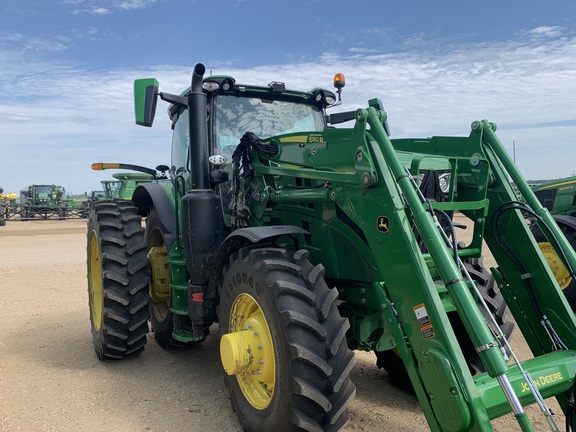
<point x="67" y="68"/>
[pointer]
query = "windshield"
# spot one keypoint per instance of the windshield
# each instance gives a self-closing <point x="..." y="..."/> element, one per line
<point x="265" y="118"/>
<point x="111" y="188"/>
<point x="46" y="190"/>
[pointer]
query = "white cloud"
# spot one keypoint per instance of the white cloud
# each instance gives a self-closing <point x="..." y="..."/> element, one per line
<point x="22" y="43"/>
<point x="362" y="50"/>
<point x="57" y="120"/>
<point x="545" y="31"/>
<point x="132" y="4"/>
<point x="105" y="7"/>
<point x="100" y="11"/>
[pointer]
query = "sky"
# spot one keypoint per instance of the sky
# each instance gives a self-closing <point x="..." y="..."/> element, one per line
<point x="67" y="69"/>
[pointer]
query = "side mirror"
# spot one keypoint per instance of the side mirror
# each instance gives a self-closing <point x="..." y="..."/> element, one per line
<point x="145" y="96"/>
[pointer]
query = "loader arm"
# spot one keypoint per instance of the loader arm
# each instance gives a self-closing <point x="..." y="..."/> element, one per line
<point x="357" y="188"/>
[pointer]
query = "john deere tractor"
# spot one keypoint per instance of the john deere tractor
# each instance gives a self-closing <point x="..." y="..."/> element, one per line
<point x="44" y="201"/>
<point x="305" y="242"/>
<point x="123" y="185"/>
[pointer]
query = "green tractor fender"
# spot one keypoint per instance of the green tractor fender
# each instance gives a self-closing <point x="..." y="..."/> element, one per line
<point x="569" y="221"/>
<point x="257" y="234"/>
<point x="243" y="237"/>
<point x="152" y="195"/>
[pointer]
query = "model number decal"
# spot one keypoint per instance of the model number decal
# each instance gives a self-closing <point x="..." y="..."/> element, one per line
<point x="315" y="139"/>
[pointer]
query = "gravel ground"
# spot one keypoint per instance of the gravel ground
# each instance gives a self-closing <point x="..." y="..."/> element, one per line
<point x="51" y="380"/>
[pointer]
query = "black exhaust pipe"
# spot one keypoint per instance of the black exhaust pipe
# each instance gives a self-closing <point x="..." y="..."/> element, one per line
<point x="202" y="219"/>
<point x="198" y="116"/>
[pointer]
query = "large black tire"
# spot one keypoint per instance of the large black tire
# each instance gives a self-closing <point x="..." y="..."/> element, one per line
<point x="484" y="281"/>
<point x="305" y="334"/>
<point x="62" y="212"/>
<point x="490" y="293"/>
<point x="161" y="319"/>
<point x="566" y="282"/>
<point x="117" y="280"/>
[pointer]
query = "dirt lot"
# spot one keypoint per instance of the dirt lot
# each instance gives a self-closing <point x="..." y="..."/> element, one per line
<point x="51" y="380"/>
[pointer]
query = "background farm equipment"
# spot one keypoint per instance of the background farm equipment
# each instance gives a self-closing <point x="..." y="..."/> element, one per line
<point x="42" y="202"/>
<point x="124" y="184"/>
<point x="305" y="241"/>
<point x="5" y="200"/>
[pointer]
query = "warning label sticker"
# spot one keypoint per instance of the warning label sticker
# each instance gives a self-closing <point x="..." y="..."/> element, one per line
<point x="421" y="315"/>
<point x="428" y="331"/>
<point x="424" y="321"/>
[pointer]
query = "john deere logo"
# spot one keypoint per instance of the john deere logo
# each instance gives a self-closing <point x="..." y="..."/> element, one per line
<point x="383" y="224"/>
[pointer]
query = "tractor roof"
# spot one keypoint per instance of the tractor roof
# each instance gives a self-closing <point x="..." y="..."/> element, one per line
<point x="555" y="183"/>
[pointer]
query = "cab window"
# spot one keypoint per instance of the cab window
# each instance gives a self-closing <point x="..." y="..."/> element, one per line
<point x="265" y="118"/>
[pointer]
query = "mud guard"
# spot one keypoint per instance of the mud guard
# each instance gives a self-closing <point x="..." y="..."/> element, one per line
<point x="565" y="220"/>
<point x="150" y="195"/>
<point x="245" y="236"/>
<point x="257" y="234"/>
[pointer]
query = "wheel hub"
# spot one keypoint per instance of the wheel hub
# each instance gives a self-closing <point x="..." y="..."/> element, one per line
<point x="559" y="271"/>
<point x="160" y="280"/>
<point x="247" y="351"/>
<point x="95" y="283"/>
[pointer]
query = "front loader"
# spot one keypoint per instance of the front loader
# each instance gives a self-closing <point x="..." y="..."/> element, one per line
<point x="305" y="242"/>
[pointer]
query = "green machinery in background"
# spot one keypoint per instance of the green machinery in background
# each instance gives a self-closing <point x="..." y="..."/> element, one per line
<point x="123" y="185"/>
<point x="305" y="242"/>
<point x="44" y="201"/>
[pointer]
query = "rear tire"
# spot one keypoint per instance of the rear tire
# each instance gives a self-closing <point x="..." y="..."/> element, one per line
<point x="117" y="280"/>
<point x="306" y="384"/>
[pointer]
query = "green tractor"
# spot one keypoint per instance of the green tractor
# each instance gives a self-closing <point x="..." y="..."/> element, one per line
<point x="44" y="201"/>
<point x="305" y="242"/>
<point x="123" y="185"/>
<point x="559" y="197"/>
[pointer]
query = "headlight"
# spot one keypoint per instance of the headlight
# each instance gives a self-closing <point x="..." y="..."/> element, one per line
<point x="444" y="182"/>
<point x="210" y="85"/>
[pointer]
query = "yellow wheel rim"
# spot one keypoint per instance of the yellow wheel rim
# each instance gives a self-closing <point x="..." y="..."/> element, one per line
<point x="559" y="271"/>
<point x="95" y="283"/>
<point x="160" y="280"/>
<point x="247" y="351"/>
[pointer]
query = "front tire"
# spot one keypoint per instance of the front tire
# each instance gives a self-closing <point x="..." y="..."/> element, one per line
<point x="391" y="360"/>
<point x="117" y="280"/>
<point x="276" y="307"/>
<point x="559" y="270"/>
